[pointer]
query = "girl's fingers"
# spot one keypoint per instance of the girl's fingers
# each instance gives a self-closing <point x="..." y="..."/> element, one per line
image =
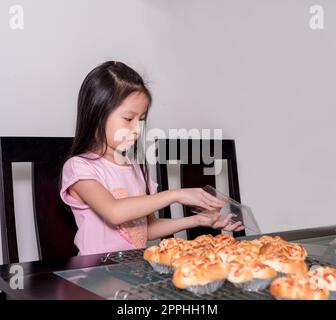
<point x="206" y="206"/>
<point x="222" y="223"/>
<point x="213" y="200"/>
<point x="228" y="227"/>
<point x="214" y="219"/>
<point x="227" y="219"/>
<point x="203" y="205"/>
<point x="232" y="227"/>
<point x="210" y="217"/>
<point x="216" y="216"/>
<point x="218" y="225"/>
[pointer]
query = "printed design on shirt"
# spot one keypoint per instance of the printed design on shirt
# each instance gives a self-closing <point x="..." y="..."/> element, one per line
<point x="135" y="232"/>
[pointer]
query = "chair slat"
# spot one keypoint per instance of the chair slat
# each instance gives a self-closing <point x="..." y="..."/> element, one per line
<point x="54" y="223"/>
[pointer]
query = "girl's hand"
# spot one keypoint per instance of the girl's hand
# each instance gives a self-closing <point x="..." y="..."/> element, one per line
<point x="197" y="197"/>
<point x="213" y="219"/>
<point x="207" y="218"/>
<point x="227" y="225"/>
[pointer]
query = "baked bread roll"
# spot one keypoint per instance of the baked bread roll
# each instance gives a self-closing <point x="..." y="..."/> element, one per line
<point x="242" y="254"/>
<point x="298" y="287"/>
<point x="261" y="271"/>
<point x="241" y="250"/>
<point x="324" y="277"/>
<point x="215" y="242"/>
<point x="206" y="240"/>
<point x="290" y="250"/>
<point x="168" y="255"/>
<point x="224" y="240"/>
<point x="161" y="255"/>
<point x="246" y="246"/>
<point x="199" y="254"/>
<point x="282" y="264"/>
<point x="239" y="272"/>
<point x="189" y="245"/>
<point x="224" y="252"/>
<point x="267" y="239"/>
<point x="152" y="254"/>
<point x="198" y="273"/>
<point x="167" y="250"/>
<point x="171" y="242"/>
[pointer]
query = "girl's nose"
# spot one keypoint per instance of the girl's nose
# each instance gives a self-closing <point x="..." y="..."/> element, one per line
<point x="137" y="129"/>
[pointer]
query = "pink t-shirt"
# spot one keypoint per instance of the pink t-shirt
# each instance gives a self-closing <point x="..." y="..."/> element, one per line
<point x="94" y="234"/>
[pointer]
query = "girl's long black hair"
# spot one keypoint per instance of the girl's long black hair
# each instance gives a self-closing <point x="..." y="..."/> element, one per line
<point x="102" y="91"/>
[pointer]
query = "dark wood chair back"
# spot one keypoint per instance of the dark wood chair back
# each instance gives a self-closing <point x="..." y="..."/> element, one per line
<point x="54" y="222"/>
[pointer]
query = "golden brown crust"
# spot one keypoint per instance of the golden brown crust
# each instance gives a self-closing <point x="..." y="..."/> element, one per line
<point x="152" y="254"/>
<point x="191" y="244"/>
<point x="206" y="240"/>
<point x="261" y="271"/>
<point x="267" y="239"/>
<point x="167" y="255"/>
<point x="162" y="255"/>
<point x="208" y="255"/>
<point x="214" y="271"/>
<point x="298" y="288"/>
<point x="239" y="272"/>
<point x="246" y="246"/>
<point x="193" y="274"/>
<point x="171" y="243"/>
<point x="224" y="252"/>
<point x="324" y="277"/>
<point x="224" y="240"/>
<point x="283" y="264"/>
<point x="289" y="250"/>
<point x="184" y="259"/>
<point x="243" y="253"/>
<point x="182" y="279"/>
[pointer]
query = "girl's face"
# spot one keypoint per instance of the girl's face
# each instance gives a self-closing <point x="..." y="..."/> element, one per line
<point x="123" y="126"/>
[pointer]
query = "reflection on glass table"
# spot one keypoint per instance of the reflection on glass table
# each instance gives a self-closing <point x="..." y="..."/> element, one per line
<point x="323" y="248"/>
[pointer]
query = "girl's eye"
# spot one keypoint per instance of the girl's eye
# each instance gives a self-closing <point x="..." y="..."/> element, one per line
<point x="128" y="119"/>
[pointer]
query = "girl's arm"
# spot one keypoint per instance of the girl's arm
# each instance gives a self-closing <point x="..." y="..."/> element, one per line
<point x="160" y="227"/>
<point x="118" y="211"/>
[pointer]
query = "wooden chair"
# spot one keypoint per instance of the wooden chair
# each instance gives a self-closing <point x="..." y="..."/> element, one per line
<point x="54" y="223"/>
<point x="192" y="173"/>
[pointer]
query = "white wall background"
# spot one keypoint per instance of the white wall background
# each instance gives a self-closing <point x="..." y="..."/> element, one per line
<point x="253" y="68"/>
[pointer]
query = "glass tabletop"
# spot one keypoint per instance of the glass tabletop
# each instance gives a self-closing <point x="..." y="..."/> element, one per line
<point x="131" y="277"/>
<point x="322" y="248"/>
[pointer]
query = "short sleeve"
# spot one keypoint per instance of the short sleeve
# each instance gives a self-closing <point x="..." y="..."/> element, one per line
<point x="76" y="169"/>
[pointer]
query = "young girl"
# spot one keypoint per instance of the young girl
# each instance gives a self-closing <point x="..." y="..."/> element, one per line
<point x="113" y="201"/>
